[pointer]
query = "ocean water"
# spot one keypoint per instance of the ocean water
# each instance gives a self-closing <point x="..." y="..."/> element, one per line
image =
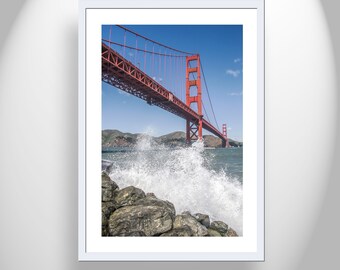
<point x="194" y="179"/>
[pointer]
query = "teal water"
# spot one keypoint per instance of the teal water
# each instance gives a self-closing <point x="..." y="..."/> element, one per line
<point x="229" y="160"/>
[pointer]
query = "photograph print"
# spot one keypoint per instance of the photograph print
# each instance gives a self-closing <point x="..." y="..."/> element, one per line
<point x="172" y="130"/>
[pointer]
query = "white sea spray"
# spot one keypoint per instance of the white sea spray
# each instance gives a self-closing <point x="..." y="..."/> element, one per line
<point x="182" y="176"/>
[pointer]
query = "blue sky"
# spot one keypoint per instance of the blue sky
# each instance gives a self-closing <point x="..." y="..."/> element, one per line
<point x="220" y="49"/>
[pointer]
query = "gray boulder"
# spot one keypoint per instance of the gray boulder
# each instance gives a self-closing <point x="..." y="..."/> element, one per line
<point x="149" y="219"/>
<point x="187" y="220"/>
<point x="213" y="233"/>
<point x="152" y="195"/>
<point x="105" y="231"/>
<point x="128" y="196"/>
<point x="107" y="165"/>
<point x="108" y="208"/>
<point x="104" y="225"/>
<point x="136" y="233"/>
<point x="231" y="233"/>
<point x="108" y="188"/>
<point x="182" y="231"/>
<point x="151" y="200"/>
<point x="219" y="226"/>
<point x="203" y="219"/>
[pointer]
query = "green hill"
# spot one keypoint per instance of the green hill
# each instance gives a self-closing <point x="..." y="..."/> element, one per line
<point x="116" y="138"/>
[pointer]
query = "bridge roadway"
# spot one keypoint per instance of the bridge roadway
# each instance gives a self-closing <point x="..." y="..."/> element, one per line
<point x="122" y="74"/>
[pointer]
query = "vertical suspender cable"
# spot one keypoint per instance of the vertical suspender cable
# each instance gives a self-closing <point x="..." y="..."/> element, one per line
<point x="206" y="86"/>
<point x="153" y="60"/>
<point x="136" y="53"/>
<point x="170" y="75"/>
<point x="175" y="76"/>
<point x="124" y="43"/>
<point x="159" y="66"/>
<point x="177" y="83"/>
<point x="183" y="78"/>
<point x="164" y="69"/>
<point x="177" y="79"/>
<point x="110" y="47"/>
<point x="110" y="34"/>
<point x="145" y="56"/>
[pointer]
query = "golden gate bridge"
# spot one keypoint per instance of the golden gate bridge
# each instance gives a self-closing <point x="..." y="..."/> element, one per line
<point x="161" y="75"/>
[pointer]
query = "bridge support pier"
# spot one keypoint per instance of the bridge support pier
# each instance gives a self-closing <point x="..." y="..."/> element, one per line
<point x="194" y="131"/>
<point x="194" y="96"/>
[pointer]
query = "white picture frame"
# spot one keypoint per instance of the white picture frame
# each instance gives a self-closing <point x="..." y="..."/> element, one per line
<point x="93" y="247"/>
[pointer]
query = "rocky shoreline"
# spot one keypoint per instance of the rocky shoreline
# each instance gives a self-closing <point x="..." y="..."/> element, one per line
<point x="132" y="212"/>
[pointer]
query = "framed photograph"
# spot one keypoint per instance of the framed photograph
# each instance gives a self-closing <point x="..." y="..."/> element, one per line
<point x="171" y="130"/>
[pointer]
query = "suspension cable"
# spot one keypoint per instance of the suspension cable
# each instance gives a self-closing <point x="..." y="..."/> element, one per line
<point x="208" y="95"/>
<point x="153" y="52"/>
<point x="205" y="112"/>
<point x="206" y="86"/>
<point x="141" y="50"/>
<point x="126" y="29"/>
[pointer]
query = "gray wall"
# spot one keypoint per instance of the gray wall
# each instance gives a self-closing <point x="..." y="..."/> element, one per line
<point x="38" y="138"/>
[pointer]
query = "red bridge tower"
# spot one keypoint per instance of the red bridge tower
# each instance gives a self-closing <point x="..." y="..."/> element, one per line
<point x="225" y="143"/>
<point x="194" y="95"/>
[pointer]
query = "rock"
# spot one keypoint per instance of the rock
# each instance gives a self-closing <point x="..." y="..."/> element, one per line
<point x="104" y="225"/>
<point x="150" y="219"/>
<point x="131" y="212"/>
<point x="107" y="165"/>
<point x="128" y="196"/>
<point x="108" y="208"/>
<point x="203" y="219"/>
<point x="182" y="231"/>
<point x="153" y="201"/>
<point x="107" y="182"/>
<point x="231" y="233"/>
<point x="187" y="220"/>
<point x="213" y="232"/>
<point x="108" y="188"/>
<point x="136" y="233"/>
<point x="152" y="195"/>
<point x="186" y="213"/>
<point x="105" y="231"/>
<point x="219" y="226"/>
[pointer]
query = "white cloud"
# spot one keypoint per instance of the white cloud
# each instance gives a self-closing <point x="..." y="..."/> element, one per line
<point x="130" y="54"/>
<point x="233" y="73"/>
<point x="237" y="60"/>
<point x="235" y="94"/>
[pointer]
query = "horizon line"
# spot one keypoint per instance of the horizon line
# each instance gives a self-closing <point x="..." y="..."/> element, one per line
<point x="145" y="132"/>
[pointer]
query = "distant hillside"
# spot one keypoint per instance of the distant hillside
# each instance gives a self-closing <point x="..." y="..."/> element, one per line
<point x="172" y="139"/>
<point x="116" y="138"/>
